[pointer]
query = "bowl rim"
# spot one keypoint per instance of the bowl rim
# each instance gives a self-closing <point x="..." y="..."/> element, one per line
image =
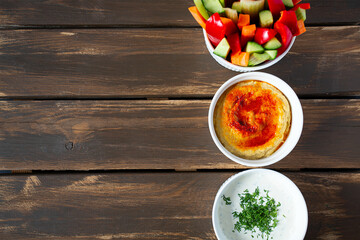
<point x="237" y="175"/>
<point x="237" y="68"/>
<point x="296" y="118"/>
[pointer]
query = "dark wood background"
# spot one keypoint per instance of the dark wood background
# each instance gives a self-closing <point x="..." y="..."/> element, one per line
<point x="103" y="120"/>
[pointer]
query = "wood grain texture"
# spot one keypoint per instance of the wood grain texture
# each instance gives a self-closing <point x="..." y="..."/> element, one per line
<point x="142" y="12"/>
<point x="83" y="135"/>
<point x="161" y="62"/>
<point x="155" y="205"/>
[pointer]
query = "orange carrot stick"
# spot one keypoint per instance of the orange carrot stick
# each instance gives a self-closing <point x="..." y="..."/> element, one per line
<point x="244" y="59"/>
<point x="244" y="20"/>
<point x="195" y="13"/>
<point x="240" y="58"/>
<point x="301" y="27"/>
<point x="247" y="34"/>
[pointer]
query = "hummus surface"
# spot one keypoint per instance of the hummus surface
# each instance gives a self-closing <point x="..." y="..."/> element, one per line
<point x="252" y="119"/>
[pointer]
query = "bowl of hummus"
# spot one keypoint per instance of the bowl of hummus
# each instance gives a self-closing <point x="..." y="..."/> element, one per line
<point x="255" y="119"/>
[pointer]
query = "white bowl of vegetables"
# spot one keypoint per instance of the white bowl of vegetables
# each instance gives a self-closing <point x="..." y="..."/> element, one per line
<point x="250" y="35"/>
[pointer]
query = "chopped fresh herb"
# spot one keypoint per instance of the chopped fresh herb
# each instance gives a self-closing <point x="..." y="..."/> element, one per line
<point x="227" y="200"/>
<point x="257" y="212"/>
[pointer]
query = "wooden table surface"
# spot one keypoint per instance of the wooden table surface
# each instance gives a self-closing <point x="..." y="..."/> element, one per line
<point x="103" y="120"/>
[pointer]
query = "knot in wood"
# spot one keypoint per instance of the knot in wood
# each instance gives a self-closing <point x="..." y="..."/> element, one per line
<point x="69" y="146"/>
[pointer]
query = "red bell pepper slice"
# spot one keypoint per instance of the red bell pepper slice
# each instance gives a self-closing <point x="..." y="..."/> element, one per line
<point x="215" y="29"/>
<point x="263" y="35"/>
<point x="276" y="6"/>
<point x="285" y="36"/>
<point x="289" y="19"/>
<point x="234" y="42"/>
<point x="230" y="26"/>
<point x="296" y="1"/>
<point x="305" y="6"/>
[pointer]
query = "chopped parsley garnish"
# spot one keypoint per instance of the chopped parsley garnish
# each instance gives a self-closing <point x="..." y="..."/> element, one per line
<point x="227" y="200"/>
<point x="257" y="212"/>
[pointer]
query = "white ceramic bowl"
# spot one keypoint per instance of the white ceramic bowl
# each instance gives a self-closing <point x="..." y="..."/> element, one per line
<point x="293" y="206"/>
<point x="237" y="68"/>
<point x="296" y="118"/>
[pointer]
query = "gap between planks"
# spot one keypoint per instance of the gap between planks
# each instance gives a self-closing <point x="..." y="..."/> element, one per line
<point x="139" y="26"/>
<point x="346" y="95"/>
<point x="179" y="170"/>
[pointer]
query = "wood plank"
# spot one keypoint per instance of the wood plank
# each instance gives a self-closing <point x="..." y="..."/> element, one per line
<point x="142" y="12"/>
<point x="121" y="63"/>
<point x="83" y="135"/>
<point x="155" y="205"/>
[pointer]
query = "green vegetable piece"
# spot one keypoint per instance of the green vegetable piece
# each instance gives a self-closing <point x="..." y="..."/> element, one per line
<point x="200" y="7"/>
<point x="272" y="54"/>
<point x="266" y="19"/>
<point x="273" y="44"/>
<point x="236" y="6"/>
<point x="300" y="14"/>
<point x="223" y="49"/>
<point x="257" y="212"/>
<point x="213" y="6"/>
<point x="253" y="47"/>
<point x="257" y="58"/>
<point x="222" y="2"/>
<point x="252" y="8"/>
<point x="288" y="3"/>
<point x="227" y="200"/>
<point x="232" y="14"/>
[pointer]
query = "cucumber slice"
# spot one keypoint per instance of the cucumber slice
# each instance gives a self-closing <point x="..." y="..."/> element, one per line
<point x="200" y="7"/>
<point x="213" y="6"/>
<point x="300" y="14"/>
<point x="266" y="19"/>
<point x="223" y="49"/>
<point x="253" y="47"/>
<point x="252" y="7"/>
<point x="288" y="3"/>
<point x="272" y="54"/>
<point x="236" y="6"/>
<point x="273" y="44"/>
<point x="232" y="14"/>
<point x="257" y="58"/>
<point x="222" y="2"/>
